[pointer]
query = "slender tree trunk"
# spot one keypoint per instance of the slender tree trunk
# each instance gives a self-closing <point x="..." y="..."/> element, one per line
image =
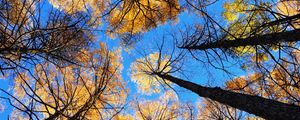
<point x="267" y="39"/>
<point x="259" y="106"/>
<point x="272" y="38"/>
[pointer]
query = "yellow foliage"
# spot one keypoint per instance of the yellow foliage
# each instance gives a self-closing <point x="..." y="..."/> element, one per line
<point x="20" y="10"/>
<point x="244" y="21"/>
<point x="96" y="84"/>
<point x="289" y="8"/>
<point x="162" y="108"/>
<point x="17" y="115"/>
<point x="211" y="110"/>
<point x="143" y="67"/>
<point x="19" y="82"/>
<point x="150" y="111"/>
<point x="139" y="16"/>
<point x="246" y="84"/>
<point x="239" y="29"/>
<point x="123" y="117"/>
<point x="73" y="6"/>
<point x="244" y="50"/>
<point x="233" y="9"/>
<point x="237" y="83"/>
<point x="278" y="84"/>
<point x="129" y="16"/>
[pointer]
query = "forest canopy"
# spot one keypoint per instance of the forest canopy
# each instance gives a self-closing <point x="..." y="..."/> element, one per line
<point x="149" y="59"/>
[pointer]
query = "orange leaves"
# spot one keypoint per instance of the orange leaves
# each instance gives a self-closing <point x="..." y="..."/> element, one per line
<point x="19" y="11"/>
<point x="244" y="84"/>
<point x="75" y="89"/>
<point x="284" y="86"/>
<point x="278" y="84"/>
<point x="123" y="117"/>
<point x="289" y="8"/>
<point x="127" y="16"/>
<point x="139" y="16"/>
<point x="249" y="84"/>
<point x="237" y="83"/>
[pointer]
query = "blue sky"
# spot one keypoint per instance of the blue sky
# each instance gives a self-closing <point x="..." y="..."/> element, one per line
<point x="200" y="74"/>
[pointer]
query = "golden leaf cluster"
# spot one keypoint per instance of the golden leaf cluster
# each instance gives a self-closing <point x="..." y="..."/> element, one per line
<point x="139" y="16"/>
<point x="233" y="9"/>
<point x="289" y="8"/>
<point x="96" y="7"/>
<point x="71" y="89"/>
<point x="245" y="20"/>
<point x="129" y="16"/>
<point x="142" y="69"/>
<point x="19" y="11"/>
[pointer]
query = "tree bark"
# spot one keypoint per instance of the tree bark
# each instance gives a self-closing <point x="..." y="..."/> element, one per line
<point x="259" y="106"/>
<point x="267" y="39"/>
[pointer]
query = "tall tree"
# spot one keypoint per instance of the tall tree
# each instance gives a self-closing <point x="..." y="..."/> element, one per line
<point x="95" y="91"/>
<point x="256" y="29"/>
<point x="29" y="35"/>
<point x="58" y="76"/>
<point x="159" y="69"/>
<point x="262" y="35"/>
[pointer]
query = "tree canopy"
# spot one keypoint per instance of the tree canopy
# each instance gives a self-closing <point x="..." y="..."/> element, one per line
<point x="150" y="59"/>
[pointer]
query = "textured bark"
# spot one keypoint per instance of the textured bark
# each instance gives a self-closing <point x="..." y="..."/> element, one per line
<point x="259" y="106"/>
<point x="267" y="39"/>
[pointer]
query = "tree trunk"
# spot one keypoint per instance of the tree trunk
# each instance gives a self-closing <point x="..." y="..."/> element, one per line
<point x="267" y="39"/>
<point x="259" y="106"/>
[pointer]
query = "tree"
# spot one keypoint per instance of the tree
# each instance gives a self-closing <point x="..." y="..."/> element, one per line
<point x="28" y="36"/>
<point x="257" y="31"/>
<point x="125" y="18"/>
<point x="275" y="84"/>
<point x="72" y="80"/>
<point x="58" y="76"/>
<point x="265" y="108"/>
<point x="95" y="91"/>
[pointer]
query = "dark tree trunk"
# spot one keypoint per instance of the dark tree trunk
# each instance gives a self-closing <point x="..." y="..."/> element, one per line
<point x="259" y="106"/>
<point x="272" y="38"/>
<point x="267" y="39"/>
